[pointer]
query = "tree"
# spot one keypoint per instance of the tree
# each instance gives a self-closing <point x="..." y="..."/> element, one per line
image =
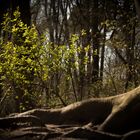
<point x="137" y="5"/>
<point x="99" y="19"/>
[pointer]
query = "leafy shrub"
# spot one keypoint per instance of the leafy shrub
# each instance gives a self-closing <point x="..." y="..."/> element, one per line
<point x="33" y="70"/>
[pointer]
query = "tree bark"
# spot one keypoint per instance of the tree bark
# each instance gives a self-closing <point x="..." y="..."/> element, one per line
<point x="112" y="118"/>
<point x="115" y="114"/>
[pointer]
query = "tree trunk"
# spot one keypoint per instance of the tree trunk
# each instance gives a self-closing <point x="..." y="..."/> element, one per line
<point x="95" y="41"/>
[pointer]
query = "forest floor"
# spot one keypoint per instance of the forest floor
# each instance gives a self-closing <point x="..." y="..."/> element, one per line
<point x="64" y="132"/>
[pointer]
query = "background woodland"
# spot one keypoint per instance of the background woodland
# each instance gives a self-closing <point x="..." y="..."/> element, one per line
<point x="56" y="52"/>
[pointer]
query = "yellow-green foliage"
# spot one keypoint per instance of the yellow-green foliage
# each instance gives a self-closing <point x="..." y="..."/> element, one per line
<point x="20" y="49"/>
<point x="28" y="61"/>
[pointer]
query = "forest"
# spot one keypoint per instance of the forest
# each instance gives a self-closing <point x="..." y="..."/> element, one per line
<point x="69" y="69"/>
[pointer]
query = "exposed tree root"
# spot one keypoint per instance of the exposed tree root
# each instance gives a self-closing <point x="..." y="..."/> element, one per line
<point x="111" y="118"/>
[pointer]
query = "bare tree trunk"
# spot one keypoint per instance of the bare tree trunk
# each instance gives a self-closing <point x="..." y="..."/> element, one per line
<point x="95" y="41"/>
<point x="137" y="5"/>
